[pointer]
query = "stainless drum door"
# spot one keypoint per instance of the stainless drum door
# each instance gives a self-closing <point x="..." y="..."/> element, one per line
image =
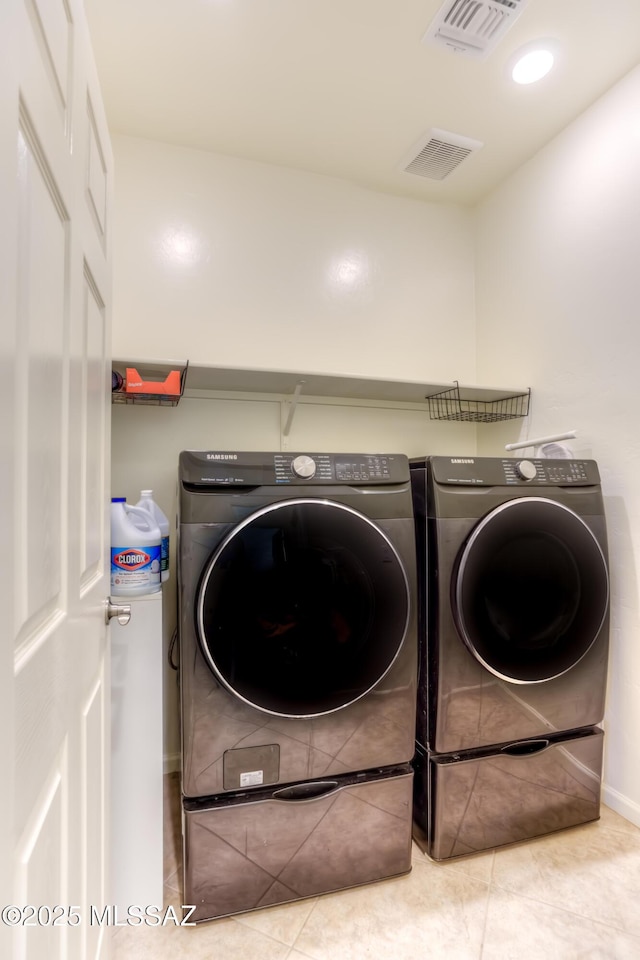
<point x="303" y="608"/>
<point x="530" y="590"/>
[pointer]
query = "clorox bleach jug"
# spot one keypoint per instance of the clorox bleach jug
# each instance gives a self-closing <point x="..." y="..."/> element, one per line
<point x="146" y="502"/>
<point x="135" y="550"/>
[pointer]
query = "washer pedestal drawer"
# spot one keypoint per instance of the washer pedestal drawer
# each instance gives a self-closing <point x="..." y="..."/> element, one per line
<point x="264" y="847"/>
<point x="473" y="801"/>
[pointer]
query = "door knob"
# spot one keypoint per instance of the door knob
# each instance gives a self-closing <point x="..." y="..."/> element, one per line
<point x="123" y="612"/>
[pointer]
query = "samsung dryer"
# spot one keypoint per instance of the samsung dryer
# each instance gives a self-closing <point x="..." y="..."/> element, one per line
<point x="514" y="598"/>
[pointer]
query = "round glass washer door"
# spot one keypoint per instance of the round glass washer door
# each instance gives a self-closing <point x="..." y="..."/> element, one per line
<point x="303" y="608"/>
<point x="530" y="591"/>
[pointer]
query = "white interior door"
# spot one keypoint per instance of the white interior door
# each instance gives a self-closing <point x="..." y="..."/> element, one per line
<point x="55" y="184"/>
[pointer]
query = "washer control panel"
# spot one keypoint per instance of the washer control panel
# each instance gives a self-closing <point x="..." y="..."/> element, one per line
<point x="304" y="467"/>
<point x="363" y="468"/>
<point x="526" y="470"/>
<point x="217" y="468"/>
<point x="343" y="468"/>
<point x="495" y="471"/>
<point x="290" y="468"/>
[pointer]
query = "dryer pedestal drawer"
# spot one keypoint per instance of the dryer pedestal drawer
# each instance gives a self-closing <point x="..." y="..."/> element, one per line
<point x="483" y="799"/>
<point x="269" y="847"/>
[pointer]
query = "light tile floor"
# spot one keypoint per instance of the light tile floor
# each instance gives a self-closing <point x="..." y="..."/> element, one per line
<point x="573" y="894"/>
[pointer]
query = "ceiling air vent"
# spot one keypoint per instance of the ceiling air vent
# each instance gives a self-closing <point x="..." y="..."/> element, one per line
<point x="439" y="154"/>
<point x="473" y="27"/>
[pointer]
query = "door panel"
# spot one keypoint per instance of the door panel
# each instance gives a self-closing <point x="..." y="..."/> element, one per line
<point x="303" y="608"/>
<point x="51" y="20"/>
<point x="93" y="430"/>
<point x="530" y="590"/>
<point x="97" y="177"/>
<point x="42" y="860"/>
<point x="94" y="815"/>
<point x="42" y="330"/>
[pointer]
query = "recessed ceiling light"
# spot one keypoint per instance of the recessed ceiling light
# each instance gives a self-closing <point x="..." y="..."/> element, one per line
<point x="532" y="63"/>
<point x="533" y="66"/>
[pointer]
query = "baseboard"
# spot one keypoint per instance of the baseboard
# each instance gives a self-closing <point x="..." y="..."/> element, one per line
<point x="171" y="762"/>
<point x="623" y="805"/>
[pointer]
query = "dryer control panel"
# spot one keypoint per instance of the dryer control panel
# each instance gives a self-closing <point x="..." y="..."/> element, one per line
<point x="210" y="468"/>
<point x="495" y="471"/>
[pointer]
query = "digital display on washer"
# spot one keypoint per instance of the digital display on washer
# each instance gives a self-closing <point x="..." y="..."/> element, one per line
<point x="363" y="468"/>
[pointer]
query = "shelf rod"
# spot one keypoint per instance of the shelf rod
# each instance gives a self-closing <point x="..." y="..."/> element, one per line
<point x="569" y="435"/>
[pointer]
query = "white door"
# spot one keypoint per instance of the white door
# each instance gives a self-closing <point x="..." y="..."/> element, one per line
<point x="55" y="190"/>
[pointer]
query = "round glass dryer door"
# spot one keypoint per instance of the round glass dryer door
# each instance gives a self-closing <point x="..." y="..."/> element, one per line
<point x="531" y="590"/>
<point x="303" y="608"/>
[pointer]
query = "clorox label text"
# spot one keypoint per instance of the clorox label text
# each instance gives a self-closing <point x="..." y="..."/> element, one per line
<point x="131" y="559"/>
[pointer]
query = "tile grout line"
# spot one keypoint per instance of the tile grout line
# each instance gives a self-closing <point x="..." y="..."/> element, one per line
<point x="237" y="918"/>
<point x="579" y="916"/>
<point x="300" y="931"/>
<point x="486" y="911"/>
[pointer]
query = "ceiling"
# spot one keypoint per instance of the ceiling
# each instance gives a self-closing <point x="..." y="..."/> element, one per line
<point x="348" y="88"/>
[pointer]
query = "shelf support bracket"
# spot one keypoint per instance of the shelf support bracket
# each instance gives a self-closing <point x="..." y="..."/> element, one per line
<point x="287" y="412"/>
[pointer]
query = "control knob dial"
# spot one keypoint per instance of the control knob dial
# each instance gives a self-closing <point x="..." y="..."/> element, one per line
<point x="303" y="467"/>
<point x="526" y="470"/>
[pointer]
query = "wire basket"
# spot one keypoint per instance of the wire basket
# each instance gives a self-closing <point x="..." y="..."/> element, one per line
<point x="465" y="404"/>
<point x="150" y="399"/>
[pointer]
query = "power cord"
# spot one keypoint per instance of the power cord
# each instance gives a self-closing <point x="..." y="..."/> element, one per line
<point x="174" y="638"/>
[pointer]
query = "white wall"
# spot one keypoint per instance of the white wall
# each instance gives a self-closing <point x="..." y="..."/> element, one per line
<point x="558" y="261"/>
<point x="236" y="263"/>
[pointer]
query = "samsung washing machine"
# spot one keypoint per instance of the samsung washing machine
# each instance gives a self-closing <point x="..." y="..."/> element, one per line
<point x="298" y="666"/>
<point x="513" y="609"/>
